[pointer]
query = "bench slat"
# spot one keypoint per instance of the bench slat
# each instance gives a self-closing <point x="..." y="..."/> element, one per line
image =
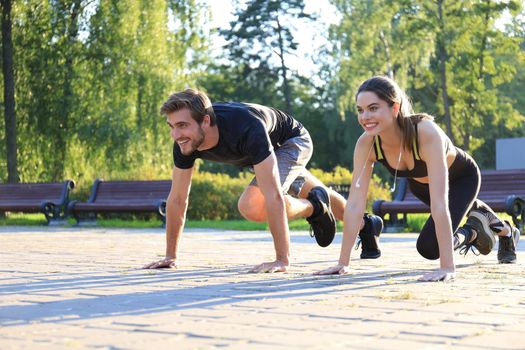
<point x="124" y="196"/>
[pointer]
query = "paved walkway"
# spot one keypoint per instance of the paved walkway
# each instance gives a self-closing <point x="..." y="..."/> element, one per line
<point x="63" y="288"/>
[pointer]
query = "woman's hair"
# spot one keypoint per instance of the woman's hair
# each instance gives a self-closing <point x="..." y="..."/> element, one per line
<point x="195" y="101"/>
<point x="388" y="90"/>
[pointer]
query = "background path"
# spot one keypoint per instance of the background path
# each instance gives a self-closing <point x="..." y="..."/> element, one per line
<point x="63" y="288"/>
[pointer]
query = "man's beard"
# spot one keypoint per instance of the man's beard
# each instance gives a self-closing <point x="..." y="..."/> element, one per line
<point x="195" y="144"/>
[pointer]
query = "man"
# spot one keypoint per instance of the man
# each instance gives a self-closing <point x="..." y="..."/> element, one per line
<point x="278" y="148"/>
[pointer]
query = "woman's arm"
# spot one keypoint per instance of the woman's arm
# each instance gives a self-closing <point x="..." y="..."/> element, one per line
<point x="356" y="203"/>
<point x="432" y="141"/>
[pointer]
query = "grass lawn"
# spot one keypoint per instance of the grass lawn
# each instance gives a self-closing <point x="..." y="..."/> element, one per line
<point x="415" y="222"/>
<point x="17" y="219"/>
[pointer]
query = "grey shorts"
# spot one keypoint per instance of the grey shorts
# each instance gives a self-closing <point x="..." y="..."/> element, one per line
<point x="292" y="157"/>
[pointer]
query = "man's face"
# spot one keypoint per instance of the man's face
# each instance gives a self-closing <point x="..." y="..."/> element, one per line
<point x="188" y="134"/>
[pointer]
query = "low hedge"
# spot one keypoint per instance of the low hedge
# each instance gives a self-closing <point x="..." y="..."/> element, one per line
<point x="215" y="196"/>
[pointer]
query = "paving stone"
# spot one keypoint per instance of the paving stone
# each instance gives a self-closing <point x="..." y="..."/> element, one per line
<point x="56" y="296"/>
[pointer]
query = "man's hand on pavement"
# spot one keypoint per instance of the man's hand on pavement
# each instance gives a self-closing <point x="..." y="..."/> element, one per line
<point x="270" y="267"/>
<point x="162" y="264"/>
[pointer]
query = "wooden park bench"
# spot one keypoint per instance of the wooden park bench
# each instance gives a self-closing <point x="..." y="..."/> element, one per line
<point x="502" y="190"/>
<point x="122" y="197"/>
<point x="49" y="199"/>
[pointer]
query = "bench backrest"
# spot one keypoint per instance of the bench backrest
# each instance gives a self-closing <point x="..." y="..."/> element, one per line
<point x="495" y="184"/>
<point x="37" y="192"/>
<point x="111" y="191"/>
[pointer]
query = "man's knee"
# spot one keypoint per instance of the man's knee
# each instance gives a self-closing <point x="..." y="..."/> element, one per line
<point x="251" y="208"/>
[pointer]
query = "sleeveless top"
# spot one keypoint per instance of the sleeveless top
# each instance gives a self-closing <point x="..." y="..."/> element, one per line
<point x="420" y="167"/>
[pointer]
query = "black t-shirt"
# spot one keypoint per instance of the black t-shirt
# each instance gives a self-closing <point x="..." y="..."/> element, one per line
<point x="247" y="135"/>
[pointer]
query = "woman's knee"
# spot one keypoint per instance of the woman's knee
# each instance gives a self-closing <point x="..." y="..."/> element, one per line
<point x="428" y="250"/>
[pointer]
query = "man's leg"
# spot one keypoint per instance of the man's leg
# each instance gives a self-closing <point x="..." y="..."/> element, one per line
<point x="251" y="202"/>
<point x="337" y="202"/>
<point x="315" y="208"/>
<point x="252" y="207"/>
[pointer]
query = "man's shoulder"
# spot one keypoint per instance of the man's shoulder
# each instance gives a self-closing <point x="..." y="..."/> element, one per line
<point x="236" y="115"/>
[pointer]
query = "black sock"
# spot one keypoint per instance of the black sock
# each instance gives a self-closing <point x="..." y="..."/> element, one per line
<point x="367" y="228"/>
<point x="317" y="208"/>
<point x="464" y="235"/>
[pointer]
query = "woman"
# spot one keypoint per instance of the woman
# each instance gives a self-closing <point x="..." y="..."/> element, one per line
<point x="441" y="175"/>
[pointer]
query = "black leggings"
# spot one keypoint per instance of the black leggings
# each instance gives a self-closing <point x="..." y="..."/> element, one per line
<point x="464" y="182"/>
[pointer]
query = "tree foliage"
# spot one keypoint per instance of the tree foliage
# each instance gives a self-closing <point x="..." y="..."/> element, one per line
<point x="449" y="55"/>
<point x="89" y="76"/>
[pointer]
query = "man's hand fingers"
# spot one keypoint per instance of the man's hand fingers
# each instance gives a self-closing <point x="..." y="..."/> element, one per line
<point x="269" y="268"/>
<point x="165" y="263"/>
<point x="277" y="269"/>
<point x="256" y="268"/>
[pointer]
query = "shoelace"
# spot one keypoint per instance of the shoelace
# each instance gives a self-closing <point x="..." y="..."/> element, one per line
<point x="468" y="247"/>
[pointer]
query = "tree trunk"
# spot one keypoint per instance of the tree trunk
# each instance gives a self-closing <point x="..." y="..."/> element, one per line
<point x="9" y="93"/>
<point x="389" y="69"/>
<point x="483" y="45"/>
<point x="443" y="57"/>
<point x="74" y="11"/>
<point x="287" y="94"/>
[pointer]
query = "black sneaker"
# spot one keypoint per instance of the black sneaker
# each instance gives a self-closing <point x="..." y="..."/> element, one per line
<point x="484" y="221"/>
<point x="507" y="246"/>
<point x="469" y="236"/>
<point x="369" y="237"/>
<point x="322" y="221"/>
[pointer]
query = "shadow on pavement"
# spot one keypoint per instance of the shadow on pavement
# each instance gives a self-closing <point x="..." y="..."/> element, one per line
<point x="101" y="299"/>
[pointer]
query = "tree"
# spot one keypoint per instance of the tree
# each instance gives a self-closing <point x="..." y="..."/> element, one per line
<point x="9" y="93"/>
<point x="373" y="38"/>
<point x="456" y="79"/>
<point x="257" y="33"/>
<point x="91" y="76"/>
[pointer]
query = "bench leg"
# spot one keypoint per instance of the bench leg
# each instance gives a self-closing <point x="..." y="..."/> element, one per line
<point x="516" y="208"/>
<point x="86" y="220"/>
<point x="394" y="224"/>
<point x="55" y="214"/>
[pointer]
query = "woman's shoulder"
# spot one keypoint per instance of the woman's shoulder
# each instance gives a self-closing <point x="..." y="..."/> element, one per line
<point x="429" y="132"/>
<point x="365" y="140"/>
<point x="364" y="146"/>
<point x="427" y="127"/>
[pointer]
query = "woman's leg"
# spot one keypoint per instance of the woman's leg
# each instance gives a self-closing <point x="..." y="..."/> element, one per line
<point x="462" y="194"/>
<point x="490" y="223"/>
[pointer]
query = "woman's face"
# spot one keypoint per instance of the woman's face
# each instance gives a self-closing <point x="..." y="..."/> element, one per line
<point x="373" y="113"/>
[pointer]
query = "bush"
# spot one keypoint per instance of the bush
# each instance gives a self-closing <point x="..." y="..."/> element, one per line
<point x="214" y="196"/>
<point x="343" y="176"/>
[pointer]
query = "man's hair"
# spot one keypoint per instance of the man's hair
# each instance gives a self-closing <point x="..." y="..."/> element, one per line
<point x="194" y="100"/>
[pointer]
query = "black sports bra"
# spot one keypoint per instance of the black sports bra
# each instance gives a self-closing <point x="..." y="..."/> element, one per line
<point x="420" y="167"/>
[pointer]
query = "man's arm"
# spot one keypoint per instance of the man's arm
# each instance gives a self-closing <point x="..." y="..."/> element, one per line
<point x="176" y="206"/>
<point x="267" y="175"/>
